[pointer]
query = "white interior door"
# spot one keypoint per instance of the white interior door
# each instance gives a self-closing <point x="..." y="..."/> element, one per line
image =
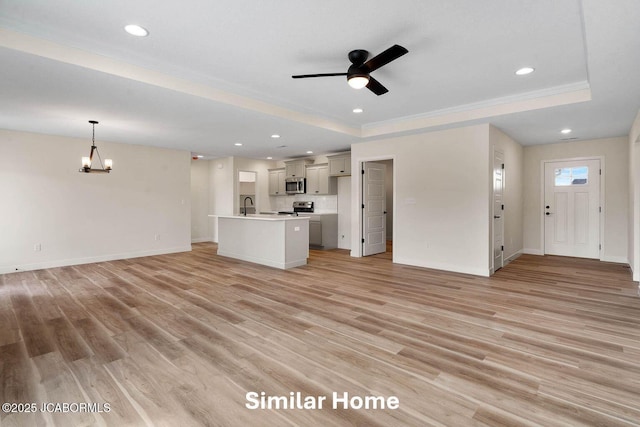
<point x="498" y="210"/>
<point x="374" y="209"/>
<point x="572" y="208"/>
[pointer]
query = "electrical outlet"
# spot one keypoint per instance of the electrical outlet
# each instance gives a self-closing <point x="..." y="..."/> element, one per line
<point x="296" y="228"/>
<point x="157" y="237"/>
<point x="37" y="247"/>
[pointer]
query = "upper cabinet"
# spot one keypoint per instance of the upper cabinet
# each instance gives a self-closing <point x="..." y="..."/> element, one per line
<point x="296" y="168"/>
<point x="318" y="180"/>
<point x="276" y="182"/>
<point x="340" y="165"/>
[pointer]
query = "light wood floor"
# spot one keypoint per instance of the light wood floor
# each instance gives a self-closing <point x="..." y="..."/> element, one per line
<point x="178" y="340"/>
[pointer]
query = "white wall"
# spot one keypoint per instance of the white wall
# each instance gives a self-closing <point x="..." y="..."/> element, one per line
<point x="221" y="191"/>
<point x="388" y="182"/>
<point x="616" y="177"/>
<point x="441" y="194"/>
<point x="513" y="191"/>
<point x="633" y="246"/>
<point x="200" y="222"/>
<point x="141" y="208"/>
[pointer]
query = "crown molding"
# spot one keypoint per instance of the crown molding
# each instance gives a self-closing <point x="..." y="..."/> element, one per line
<point x="545" y="98"/>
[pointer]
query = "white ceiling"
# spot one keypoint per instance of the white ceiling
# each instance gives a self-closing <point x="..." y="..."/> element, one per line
<point x="214" y="73"/>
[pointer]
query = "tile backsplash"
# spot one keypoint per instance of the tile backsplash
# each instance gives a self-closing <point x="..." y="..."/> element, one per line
<point x="321" y="204"/>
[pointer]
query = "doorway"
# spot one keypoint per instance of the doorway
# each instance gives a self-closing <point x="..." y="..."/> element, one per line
<point x="572" y="208"/>
<point x="377" y="207"/>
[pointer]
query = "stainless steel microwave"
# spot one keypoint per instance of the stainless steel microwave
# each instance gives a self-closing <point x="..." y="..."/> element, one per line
<point x="295" y="185"/>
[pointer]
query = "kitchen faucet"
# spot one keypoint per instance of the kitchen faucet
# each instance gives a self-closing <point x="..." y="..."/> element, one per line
<point x="244" y="204"/>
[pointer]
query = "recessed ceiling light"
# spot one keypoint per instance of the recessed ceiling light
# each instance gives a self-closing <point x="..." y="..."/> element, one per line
<point x="565" y="131"/>
<point x="358" y="110"/>
<point x="136" y="30"/>
<point x="238" y="144"/>
<point x="524" y="71"/>
<point x="275" y="135"/>
<point x="309" y="152"/>
<point x="269" y="158"/>
<point x="200" y="156"/>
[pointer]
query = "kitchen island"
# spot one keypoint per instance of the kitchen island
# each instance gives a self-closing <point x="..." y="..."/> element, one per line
<point x="280" y="241"/>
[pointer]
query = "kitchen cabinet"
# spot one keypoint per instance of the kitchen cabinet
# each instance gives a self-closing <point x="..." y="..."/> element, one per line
<point x="340" y="165"/>
<point x="323" y="230"/>
<point x="296" y="168"/>
<point x="276" y="182"/>
<point x="315" y="233"/>
<point x="318" y="180"/>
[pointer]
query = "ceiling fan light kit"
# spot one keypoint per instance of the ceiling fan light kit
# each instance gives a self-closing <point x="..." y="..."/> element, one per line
<point x="358" y="74"/>
<point x="358" y="81"/>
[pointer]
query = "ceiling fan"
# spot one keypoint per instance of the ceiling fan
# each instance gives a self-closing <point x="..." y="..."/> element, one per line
<point x="358" y="74"/>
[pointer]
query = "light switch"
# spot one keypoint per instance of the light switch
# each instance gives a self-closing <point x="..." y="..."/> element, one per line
<point x="296" y="228"/>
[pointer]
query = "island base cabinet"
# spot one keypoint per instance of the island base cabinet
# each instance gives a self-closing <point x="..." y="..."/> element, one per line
<point x="276" y="243"/>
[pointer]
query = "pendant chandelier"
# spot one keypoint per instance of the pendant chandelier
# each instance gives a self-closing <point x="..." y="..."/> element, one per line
<point x="86" y="161"/>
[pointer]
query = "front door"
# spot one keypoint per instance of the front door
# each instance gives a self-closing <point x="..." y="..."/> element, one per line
<point x="572" y="208"/>
<point x="374" y="209"/>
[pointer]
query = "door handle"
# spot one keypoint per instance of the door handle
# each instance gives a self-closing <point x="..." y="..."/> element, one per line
<point x="496" y="217"/>
<point x="548" y="213"/>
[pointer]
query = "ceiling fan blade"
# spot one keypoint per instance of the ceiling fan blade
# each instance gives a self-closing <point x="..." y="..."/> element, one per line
<point x="393" y="53"/>
<point x="376" y="87"/>
<point x="304" y="76"/>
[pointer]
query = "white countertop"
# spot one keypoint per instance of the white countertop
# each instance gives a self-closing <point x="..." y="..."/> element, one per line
<point x="262" y="217"/>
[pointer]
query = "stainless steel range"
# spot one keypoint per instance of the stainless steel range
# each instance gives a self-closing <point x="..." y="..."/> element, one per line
<point x="299" y="207"/>
<point x="306" y="207"/>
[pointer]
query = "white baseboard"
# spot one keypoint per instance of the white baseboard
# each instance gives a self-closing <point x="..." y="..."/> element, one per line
<point x="88" y="260"/>
<point x="202" y="240"/>
<point x="616" y="259"/>
<point x="445" y="266"/>
<point x="512" y="257"/>
<point x="530" y="251"/>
